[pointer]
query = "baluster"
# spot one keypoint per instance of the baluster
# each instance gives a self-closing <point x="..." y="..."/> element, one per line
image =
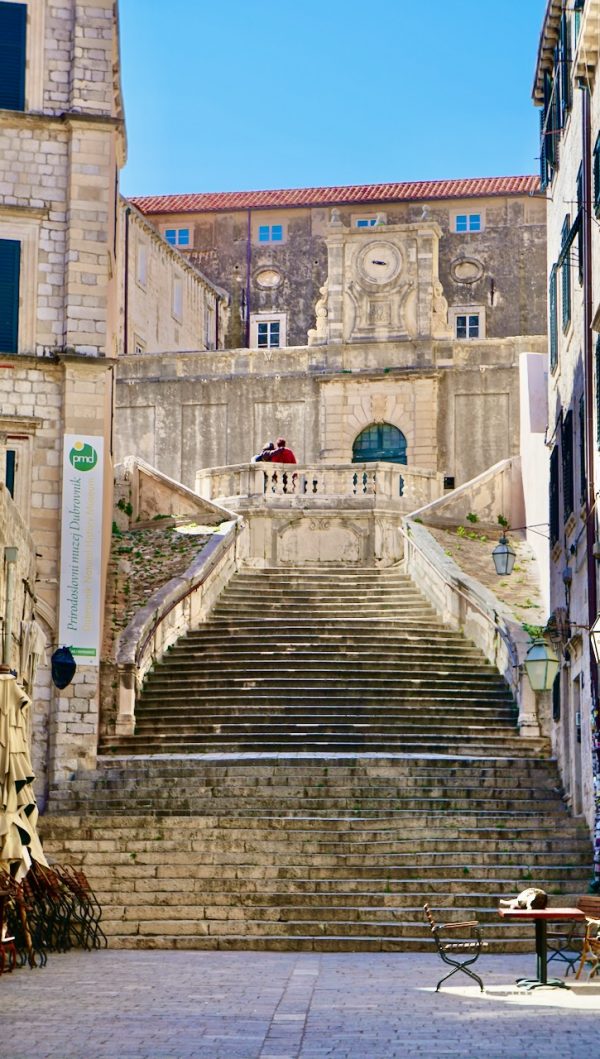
<point x="294" y="481"/>
<point x="265" y="481"/>
<point x="274" y="480"/>
<point x="365" y="479"/>
<point x="355" y="483"/>
<point x="284" y="480"/>
<point x="374" y="483"/>
<point x="315" y="485"/>
<point x="400" y="485"/>
<point x="305" y="484"/>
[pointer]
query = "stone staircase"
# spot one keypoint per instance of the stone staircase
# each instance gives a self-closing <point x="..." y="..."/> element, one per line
<point x="304" y="661"/>
<point x="308" y="769"/>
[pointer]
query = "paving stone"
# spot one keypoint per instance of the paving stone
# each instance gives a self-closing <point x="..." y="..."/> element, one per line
<point x="210" y="1005"/>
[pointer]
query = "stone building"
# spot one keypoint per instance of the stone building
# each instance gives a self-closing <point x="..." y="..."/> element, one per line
<point x="379" y="321"/>
<point x="565" y="89"/>
<point x="269" y="249"/>
<point x="166" y="303"/>
<point x="61" y="144"/>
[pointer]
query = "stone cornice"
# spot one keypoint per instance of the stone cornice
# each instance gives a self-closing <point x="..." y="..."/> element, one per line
<point x="36" y="213"/>
<point x="547" y="44"/>
<point x="588" y="44"/>
<point x="40" y="119"/>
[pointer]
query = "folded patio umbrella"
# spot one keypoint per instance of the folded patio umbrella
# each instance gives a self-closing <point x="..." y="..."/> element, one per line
<point x="19" y="841"/>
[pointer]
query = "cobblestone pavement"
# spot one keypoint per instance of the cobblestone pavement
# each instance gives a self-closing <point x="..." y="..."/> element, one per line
<point x="233" y="1005"/>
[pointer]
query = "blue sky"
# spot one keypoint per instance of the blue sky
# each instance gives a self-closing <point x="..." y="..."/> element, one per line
<point x="248" y="94"/>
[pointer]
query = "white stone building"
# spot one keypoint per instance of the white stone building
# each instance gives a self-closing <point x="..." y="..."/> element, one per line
<point x="566" y="90"/>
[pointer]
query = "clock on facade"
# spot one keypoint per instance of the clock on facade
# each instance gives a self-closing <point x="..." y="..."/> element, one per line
<point x="379" y="262"/>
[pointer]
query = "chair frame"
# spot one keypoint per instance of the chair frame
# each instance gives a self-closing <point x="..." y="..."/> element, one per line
<point x="568" y="945"/>
<point x="473" y="947"/>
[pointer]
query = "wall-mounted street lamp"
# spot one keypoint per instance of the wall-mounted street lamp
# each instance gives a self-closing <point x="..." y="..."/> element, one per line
<point x="541" y="666"/>
<point x="504" y="557"/>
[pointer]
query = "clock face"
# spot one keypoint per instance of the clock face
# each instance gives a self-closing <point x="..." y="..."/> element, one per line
<point x="379" y="262"/>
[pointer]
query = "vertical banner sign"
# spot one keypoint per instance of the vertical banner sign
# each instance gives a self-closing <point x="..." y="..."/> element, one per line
<point x="81" y="547"/>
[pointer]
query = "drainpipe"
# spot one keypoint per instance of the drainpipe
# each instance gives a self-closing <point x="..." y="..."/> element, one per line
<point x="586" y="222"/>
<point x="248" y="268"/>
<point x="126" y="285"/>
<point x="10" y="558"/>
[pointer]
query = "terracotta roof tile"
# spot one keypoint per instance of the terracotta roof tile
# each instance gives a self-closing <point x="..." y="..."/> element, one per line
<point x="359" y="193"/>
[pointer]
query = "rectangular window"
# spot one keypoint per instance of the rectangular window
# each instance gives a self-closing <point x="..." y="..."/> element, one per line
<point x="565" y="272"/>
<point x="10" y="471"/>
<point x="142" y="264"/>
<point x="365" y="222"/>
<point x="567" y="464"/>
<point x="268" y="332"/>
<point x="554" y="497"/>
<point x="579" y="223"/>
<point x="467" y="222"/>
<point x="552" y="320"/>
<point x="596" y="175"/>
<point x="178" y="236"/>
<point x="582" y="474"/>
<point x="563" y="68"/>
<point x="467" y="325"/>
<point x="177" y="305"/>
<point x="10" y="267"/>
<point x="13" y="29"/>
<point x="270" y="233"/>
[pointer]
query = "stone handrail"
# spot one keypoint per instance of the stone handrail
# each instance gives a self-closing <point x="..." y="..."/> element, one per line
<point x="464" y="603"/>
<point x="171" y="612"/>
<point x="406" y="487"/>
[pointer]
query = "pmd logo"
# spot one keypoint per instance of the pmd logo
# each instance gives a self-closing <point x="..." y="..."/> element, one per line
<point x="83" y="457"/>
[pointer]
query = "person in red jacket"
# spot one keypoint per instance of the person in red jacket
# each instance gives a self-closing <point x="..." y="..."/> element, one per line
<point x="281" y="454"/>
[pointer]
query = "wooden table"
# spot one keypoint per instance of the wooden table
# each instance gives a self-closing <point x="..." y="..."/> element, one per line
<point x="542" y="916"/>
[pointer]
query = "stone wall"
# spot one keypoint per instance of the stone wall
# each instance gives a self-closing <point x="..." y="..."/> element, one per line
<point x="188" y="412"/>
<point x="59" y="161"/>
<point x="504" y="275"/>
<point x="166" y="303"/>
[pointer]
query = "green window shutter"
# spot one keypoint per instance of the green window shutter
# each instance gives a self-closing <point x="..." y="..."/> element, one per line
<point x="566" y="277"/>
<point x="13" y="29"/>
<point x="552" y="322"/>
<point x="567" y="464"/>
<point x="10" y="263"/>
<point x="596" y="175"/>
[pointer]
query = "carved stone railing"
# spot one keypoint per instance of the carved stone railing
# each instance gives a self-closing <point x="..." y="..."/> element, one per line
<point x="390" y="483"/>
<point x="464" y="603"/>
<point x="174" y="609"/>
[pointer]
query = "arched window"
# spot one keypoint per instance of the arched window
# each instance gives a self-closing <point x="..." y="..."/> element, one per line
<point x="381" y="441"/>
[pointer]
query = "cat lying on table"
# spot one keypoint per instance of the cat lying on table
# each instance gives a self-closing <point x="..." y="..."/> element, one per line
<point x="527" y="899"/>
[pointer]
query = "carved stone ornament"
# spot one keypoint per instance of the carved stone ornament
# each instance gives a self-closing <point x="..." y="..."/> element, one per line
<point x="466" y="270"/>
<point x="317" y="336"/>
<point x="269" y="278"/>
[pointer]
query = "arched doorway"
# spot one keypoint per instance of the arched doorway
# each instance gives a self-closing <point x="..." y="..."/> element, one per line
<point x="381" y="441"/>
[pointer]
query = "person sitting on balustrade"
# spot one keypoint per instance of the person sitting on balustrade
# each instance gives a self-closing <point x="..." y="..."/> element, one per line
<point x="281" y="454"/>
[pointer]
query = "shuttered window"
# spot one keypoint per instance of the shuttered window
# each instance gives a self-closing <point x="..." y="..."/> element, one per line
<point x="596" y="174"/>
<point x="582" y="474"/>
<point x="567" y="464"/>
<point x="13" y="26"/>
<point x="10" y="262"/>
<point x="579" y="223"/>
<point x="552" y="322"/>
<point x="554" y="498"/>
<point x="566" y="277"/>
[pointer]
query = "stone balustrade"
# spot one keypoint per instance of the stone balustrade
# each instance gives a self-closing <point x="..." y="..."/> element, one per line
<point x="378" y="484"/>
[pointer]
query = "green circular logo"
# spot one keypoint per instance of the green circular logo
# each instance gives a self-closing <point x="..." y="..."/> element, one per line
<point x="83" y="457"/>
